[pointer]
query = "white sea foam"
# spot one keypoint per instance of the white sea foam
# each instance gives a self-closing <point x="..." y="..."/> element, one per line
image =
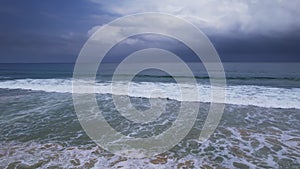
<point x="237" y="146"/>
<point x="262" y="96"/>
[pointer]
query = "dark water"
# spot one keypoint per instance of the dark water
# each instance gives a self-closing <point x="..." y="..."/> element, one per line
<point x="268" y="74"/>
<point x="259" y="127"/>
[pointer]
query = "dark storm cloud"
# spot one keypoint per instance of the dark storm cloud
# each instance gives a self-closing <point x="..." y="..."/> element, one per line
<point x="44" y="31"/>
<point x="28" y="47"/>
<point x="240" y="30"/>
<point x="283" y="48"/>
<point x="55" y="31"/>
<point x="139" y="42"/>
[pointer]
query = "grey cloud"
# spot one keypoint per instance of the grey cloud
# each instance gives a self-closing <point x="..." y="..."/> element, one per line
<point x="263" y="17"/>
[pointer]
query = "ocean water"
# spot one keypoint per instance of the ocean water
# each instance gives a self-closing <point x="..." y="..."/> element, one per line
<point x="260" y="127"/>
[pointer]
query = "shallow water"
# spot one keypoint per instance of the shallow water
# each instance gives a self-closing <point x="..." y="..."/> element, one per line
<point x="41" y="129"/>
<point x="259" y="128"/>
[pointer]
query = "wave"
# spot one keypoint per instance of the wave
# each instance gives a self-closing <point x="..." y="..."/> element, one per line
<point x="228" y="77"/>
<point x="5" y="77"/>
<point x="262" y="96"/>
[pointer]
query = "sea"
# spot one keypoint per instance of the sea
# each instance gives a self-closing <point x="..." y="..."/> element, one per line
<point x="260" y="126"/>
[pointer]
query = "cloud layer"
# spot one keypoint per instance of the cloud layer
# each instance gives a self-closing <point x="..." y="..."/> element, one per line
<point x="50" y="31"/>
<point x="213" y="17"/>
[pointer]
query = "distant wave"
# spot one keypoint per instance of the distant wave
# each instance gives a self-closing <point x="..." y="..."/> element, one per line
<point x="262" y="96"/>
<point x="5" y="77"/>
<point x="236" y="77"/>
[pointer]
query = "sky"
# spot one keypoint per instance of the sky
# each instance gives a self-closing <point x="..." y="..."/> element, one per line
<point x="54" y="31"/>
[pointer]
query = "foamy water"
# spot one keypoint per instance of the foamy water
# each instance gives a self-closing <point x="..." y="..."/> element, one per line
<point x="262" y="96"/>
<point x="259" y="127"/>
<point x="40" y="129"/>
